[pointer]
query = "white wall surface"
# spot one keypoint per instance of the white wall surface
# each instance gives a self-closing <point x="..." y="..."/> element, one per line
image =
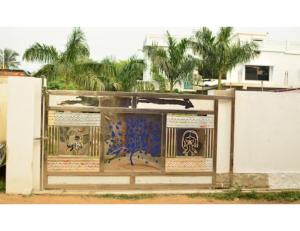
<point x="23" y="126"/>
<point x="267" y="132"/>
<point x="3" y="106"/>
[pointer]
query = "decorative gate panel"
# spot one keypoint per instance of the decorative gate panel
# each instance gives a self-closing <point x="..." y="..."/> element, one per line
<point x="132" y="143"/>
<point x="73" y="141"/>
<point x="187" y="143"/>
<point x="118" y="140"/>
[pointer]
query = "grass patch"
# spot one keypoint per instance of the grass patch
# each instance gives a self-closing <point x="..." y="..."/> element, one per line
<point x="230" y="195"/>
<point x="284" y="196"/>
<point x="2" y="186"/>
<point x="128" y="196"/>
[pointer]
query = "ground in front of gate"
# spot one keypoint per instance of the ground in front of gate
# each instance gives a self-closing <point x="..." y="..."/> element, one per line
<point x="230" y="197"/>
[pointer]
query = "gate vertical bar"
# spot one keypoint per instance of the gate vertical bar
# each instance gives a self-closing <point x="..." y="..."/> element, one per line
<point x="42" y="134"/>
<point x="134" y="101"/>
<point x="102" y="141"/>
<point x="46" y="149"/>
<point x="232" y="141"/>
<point x="216" y="112"/>
<point x="163" y="141"/>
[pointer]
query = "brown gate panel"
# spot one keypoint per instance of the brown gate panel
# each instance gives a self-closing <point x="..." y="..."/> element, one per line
<point x="118" y="140"/>
<point x="73" y="142"/>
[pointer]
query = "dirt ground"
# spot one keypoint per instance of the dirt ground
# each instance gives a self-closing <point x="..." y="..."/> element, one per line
<point x="98" y="199"/>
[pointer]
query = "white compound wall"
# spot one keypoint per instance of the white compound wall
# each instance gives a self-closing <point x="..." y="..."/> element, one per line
<point x="267" y="136"/>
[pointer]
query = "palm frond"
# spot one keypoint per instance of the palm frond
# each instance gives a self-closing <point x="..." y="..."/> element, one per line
<point x="95" y="75"/>
<point x="241" y="53"/>
<point x="41" y="53"/>
<point x="143" y="86"/>
<point x="224" y="35"/>
<point x="129" y="74"/>
<point x="76" y="47"/>
<point x="48" y="71"/>
<point x="219" y="54"/>
<point x="172" y="62"/>
<point x="8" y="59"/>
<point x="90" y="81"/>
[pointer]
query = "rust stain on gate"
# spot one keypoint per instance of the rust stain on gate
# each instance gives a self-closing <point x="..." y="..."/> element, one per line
<point x="127" y="137"/>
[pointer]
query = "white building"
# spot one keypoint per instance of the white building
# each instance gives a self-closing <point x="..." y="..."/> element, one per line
<point x="278" y="64"/>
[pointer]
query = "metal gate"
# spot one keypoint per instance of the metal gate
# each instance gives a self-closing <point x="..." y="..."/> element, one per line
<point x="120" y="140"/>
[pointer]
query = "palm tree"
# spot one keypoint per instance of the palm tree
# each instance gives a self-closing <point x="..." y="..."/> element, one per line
<point x="124" y="74"/>
<point x="172" y="62"/>
<point x="69" y="66"/>
<point x="8" y="59"/>
<point x="220" y="54"/>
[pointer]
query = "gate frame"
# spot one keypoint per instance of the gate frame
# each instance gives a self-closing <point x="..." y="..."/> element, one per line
<point x="163" y="112"/>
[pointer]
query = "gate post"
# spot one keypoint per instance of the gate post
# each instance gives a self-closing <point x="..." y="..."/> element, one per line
<point x="23" y="135"/>
<point x="224" y="138"/>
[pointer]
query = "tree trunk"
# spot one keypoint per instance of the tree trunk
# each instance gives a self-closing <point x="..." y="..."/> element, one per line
<point x="220" y="82"/>
<point x="66" y="77"/>
<point x="131" y="161"/>
<point x="171" y="85"/>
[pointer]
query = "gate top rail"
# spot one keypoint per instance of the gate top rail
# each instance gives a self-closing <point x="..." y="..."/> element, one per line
<point x="136" y="94"/>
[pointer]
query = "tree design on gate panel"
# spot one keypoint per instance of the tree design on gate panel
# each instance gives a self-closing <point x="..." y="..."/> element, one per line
<point x="134" y="143"/>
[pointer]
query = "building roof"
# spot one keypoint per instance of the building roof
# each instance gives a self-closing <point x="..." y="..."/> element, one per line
<point x="265" y="44"/>
<point x="13" y="72"/>
<point x="253" y="36"/>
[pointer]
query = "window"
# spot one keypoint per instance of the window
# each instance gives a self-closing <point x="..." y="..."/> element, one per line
<point x="187" y="84"/>
<point x="261" y="73"/>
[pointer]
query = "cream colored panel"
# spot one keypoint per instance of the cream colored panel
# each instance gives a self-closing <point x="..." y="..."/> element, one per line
<point x="189" y="164"/>
<point x="73" y="119"/>
<point x="173" y="180"/>
<point x="88" y="180"/>
<point x="189" y="121"/>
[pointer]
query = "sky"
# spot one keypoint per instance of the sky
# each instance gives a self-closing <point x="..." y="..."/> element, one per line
<point x="117" y="42"/>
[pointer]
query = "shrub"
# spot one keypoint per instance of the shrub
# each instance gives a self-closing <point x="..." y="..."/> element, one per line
<point x="2" y="186"/>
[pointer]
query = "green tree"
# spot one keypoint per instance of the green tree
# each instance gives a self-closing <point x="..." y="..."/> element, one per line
<point x="220" y="53"/>
<point x="172" y="62"/>
<point x="72" y="66"/>
<point x="160" y="79"/>
<point x="126" y="74"/>
<point x="8" y="59"/>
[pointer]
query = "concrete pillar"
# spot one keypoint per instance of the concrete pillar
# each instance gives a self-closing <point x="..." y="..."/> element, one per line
<point x="23" y="127"/>
<point x="224" y="130"/>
